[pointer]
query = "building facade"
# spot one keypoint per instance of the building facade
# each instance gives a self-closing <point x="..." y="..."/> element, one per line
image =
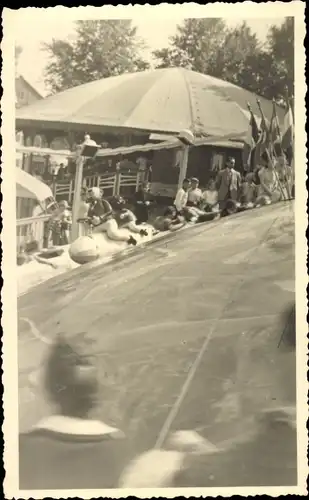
<point x="25" y="93"/>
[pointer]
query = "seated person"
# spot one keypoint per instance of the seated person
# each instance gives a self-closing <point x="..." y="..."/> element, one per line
<point x="269" y="189"/>
<point x="98" y="206"/>
<point x="102" y="218"/>
<point x="182" y="196"/>
<point x="128" y="220"/>
<point x="248" y="192"/>
<point x="125" y="217"/>
<point x="29" y="253"/>
<point x="196" y="215"/>
<point x="194" y="193"/>
<point x="169" y="221"/>
<point x="209" y="201"/>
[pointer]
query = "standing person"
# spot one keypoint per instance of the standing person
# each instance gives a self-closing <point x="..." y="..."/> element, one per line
<point x="228" y="183"/>
<point x="194" y="193"/>
<point x="65" y="217"/>
<point x="182" y="196"/>
<point x="61" y="173"/>
<point x="59" y="224"/>
<point x="70" y="450"/>
<point x="142" y="203"/>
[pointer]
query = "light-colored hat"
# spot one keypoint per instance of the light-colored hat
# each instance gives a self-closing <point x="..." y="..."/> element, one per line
<point x="64" y="204"/>
<point x="95" y="192"/>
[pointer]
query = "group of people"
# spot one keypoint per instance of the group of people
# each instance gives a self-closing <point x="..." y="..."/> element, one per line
<point x="100" y="215"/>
<point x="230" y="192"/>
<point x="226" y="194"/>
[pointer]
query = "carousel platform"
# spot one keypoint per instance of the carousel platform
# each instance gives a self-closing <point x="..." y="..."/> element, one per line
<point x="215" y="293"/>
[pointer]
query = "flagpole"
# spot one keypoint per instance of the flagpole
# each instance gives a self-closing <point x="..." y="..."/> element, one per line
<point x="289" y="108"/>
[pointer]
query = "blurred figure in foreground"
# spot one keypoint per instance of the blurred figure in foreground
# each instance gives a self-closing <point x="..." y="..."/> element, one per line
<point x="70" y="450"/>
<point x="266" y="456"/>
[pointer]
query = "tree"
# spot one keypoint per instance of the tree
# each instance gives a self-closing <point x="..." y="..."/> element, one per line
<point x="195" y="45"/>
<point x="281" y="48"/>
<point x="18" y="51"/>
<point x="235" y="54"/>
<point x="100" y="49"/>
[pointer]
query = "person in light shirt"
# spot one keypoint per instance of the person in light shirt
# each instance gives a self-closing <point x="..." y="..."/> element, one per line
<point x="182" y="196"/>
<point x="194" y="194"/>
<point x="249" y="191"/>
<point x="210" y="198"/>
<point x="269" y="190"/>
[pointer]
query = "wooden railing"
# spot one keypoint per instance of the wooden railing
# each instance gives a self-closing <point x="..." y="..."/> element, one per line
<point x="112" y="184"/>
<point x="31" y="228"/>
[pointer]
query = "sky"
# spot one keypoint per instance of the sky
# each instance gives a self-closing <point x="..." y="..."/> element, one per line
<point x="32" y="28"/>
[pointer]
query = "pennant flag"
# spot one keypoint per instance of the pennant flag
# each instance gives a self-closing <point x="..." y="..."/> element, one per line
<point x="288" y="133"/>
<point x="250" y="141"/>
<point x="264" y="142"/>
<point x="275" y="133"/>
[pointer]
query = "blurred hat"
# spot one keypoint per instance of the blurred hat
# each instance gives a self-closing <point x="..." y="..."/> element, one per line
<point x="63" y="203"/>
<point x="95" y="192"/>
<point x="195" y="179"/>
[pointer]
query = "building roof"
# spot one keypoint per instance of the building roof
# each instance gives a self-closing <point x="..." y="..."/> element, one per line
<point x="30" y="87"/>
<point x="162" y="100"/>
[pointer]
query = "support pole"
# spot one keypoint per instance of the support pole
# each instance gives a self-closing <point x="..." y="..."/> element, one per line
<point x="183" y="166"/>
<point x="76" y="199"/>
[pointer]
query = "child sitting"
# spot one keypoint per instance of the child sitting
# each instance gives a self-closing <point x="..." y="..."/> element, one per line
<point x="209" y="201"/>
<point x="248" y="192"/>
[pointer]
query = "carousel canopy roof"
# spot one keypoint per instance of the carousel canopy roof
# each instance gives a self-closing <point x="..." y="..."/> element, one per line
<point x="161" y="100"/>
<point x="28" y="186"/>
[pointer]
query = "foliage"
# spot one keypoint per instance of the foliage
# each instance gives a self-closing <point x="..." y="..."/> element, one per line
<point x="235" y="54"/>
<point x="100" y="49"/>
<point x="18" y="51"/>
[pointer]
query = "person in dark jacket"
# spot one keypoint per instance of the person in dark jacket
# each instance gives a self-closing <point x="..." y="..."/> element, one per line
<point x="98" y="208"/>
<point x="70" y="450"/>
<point x="142" y="203"/>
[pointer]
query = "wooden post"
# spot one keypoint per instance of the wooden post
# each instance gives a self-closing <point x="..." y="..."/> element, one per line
<point x="77" y="191"/>
<point x="183" y="166"/>
<point x="138" y="180"/>
<point x="117" y="182"/>
<point x="70" y="190"/>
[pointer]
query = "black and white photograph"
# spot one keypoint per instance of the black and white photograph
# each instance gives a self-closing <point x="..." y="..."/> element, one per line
<point x="149" y="296"/>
